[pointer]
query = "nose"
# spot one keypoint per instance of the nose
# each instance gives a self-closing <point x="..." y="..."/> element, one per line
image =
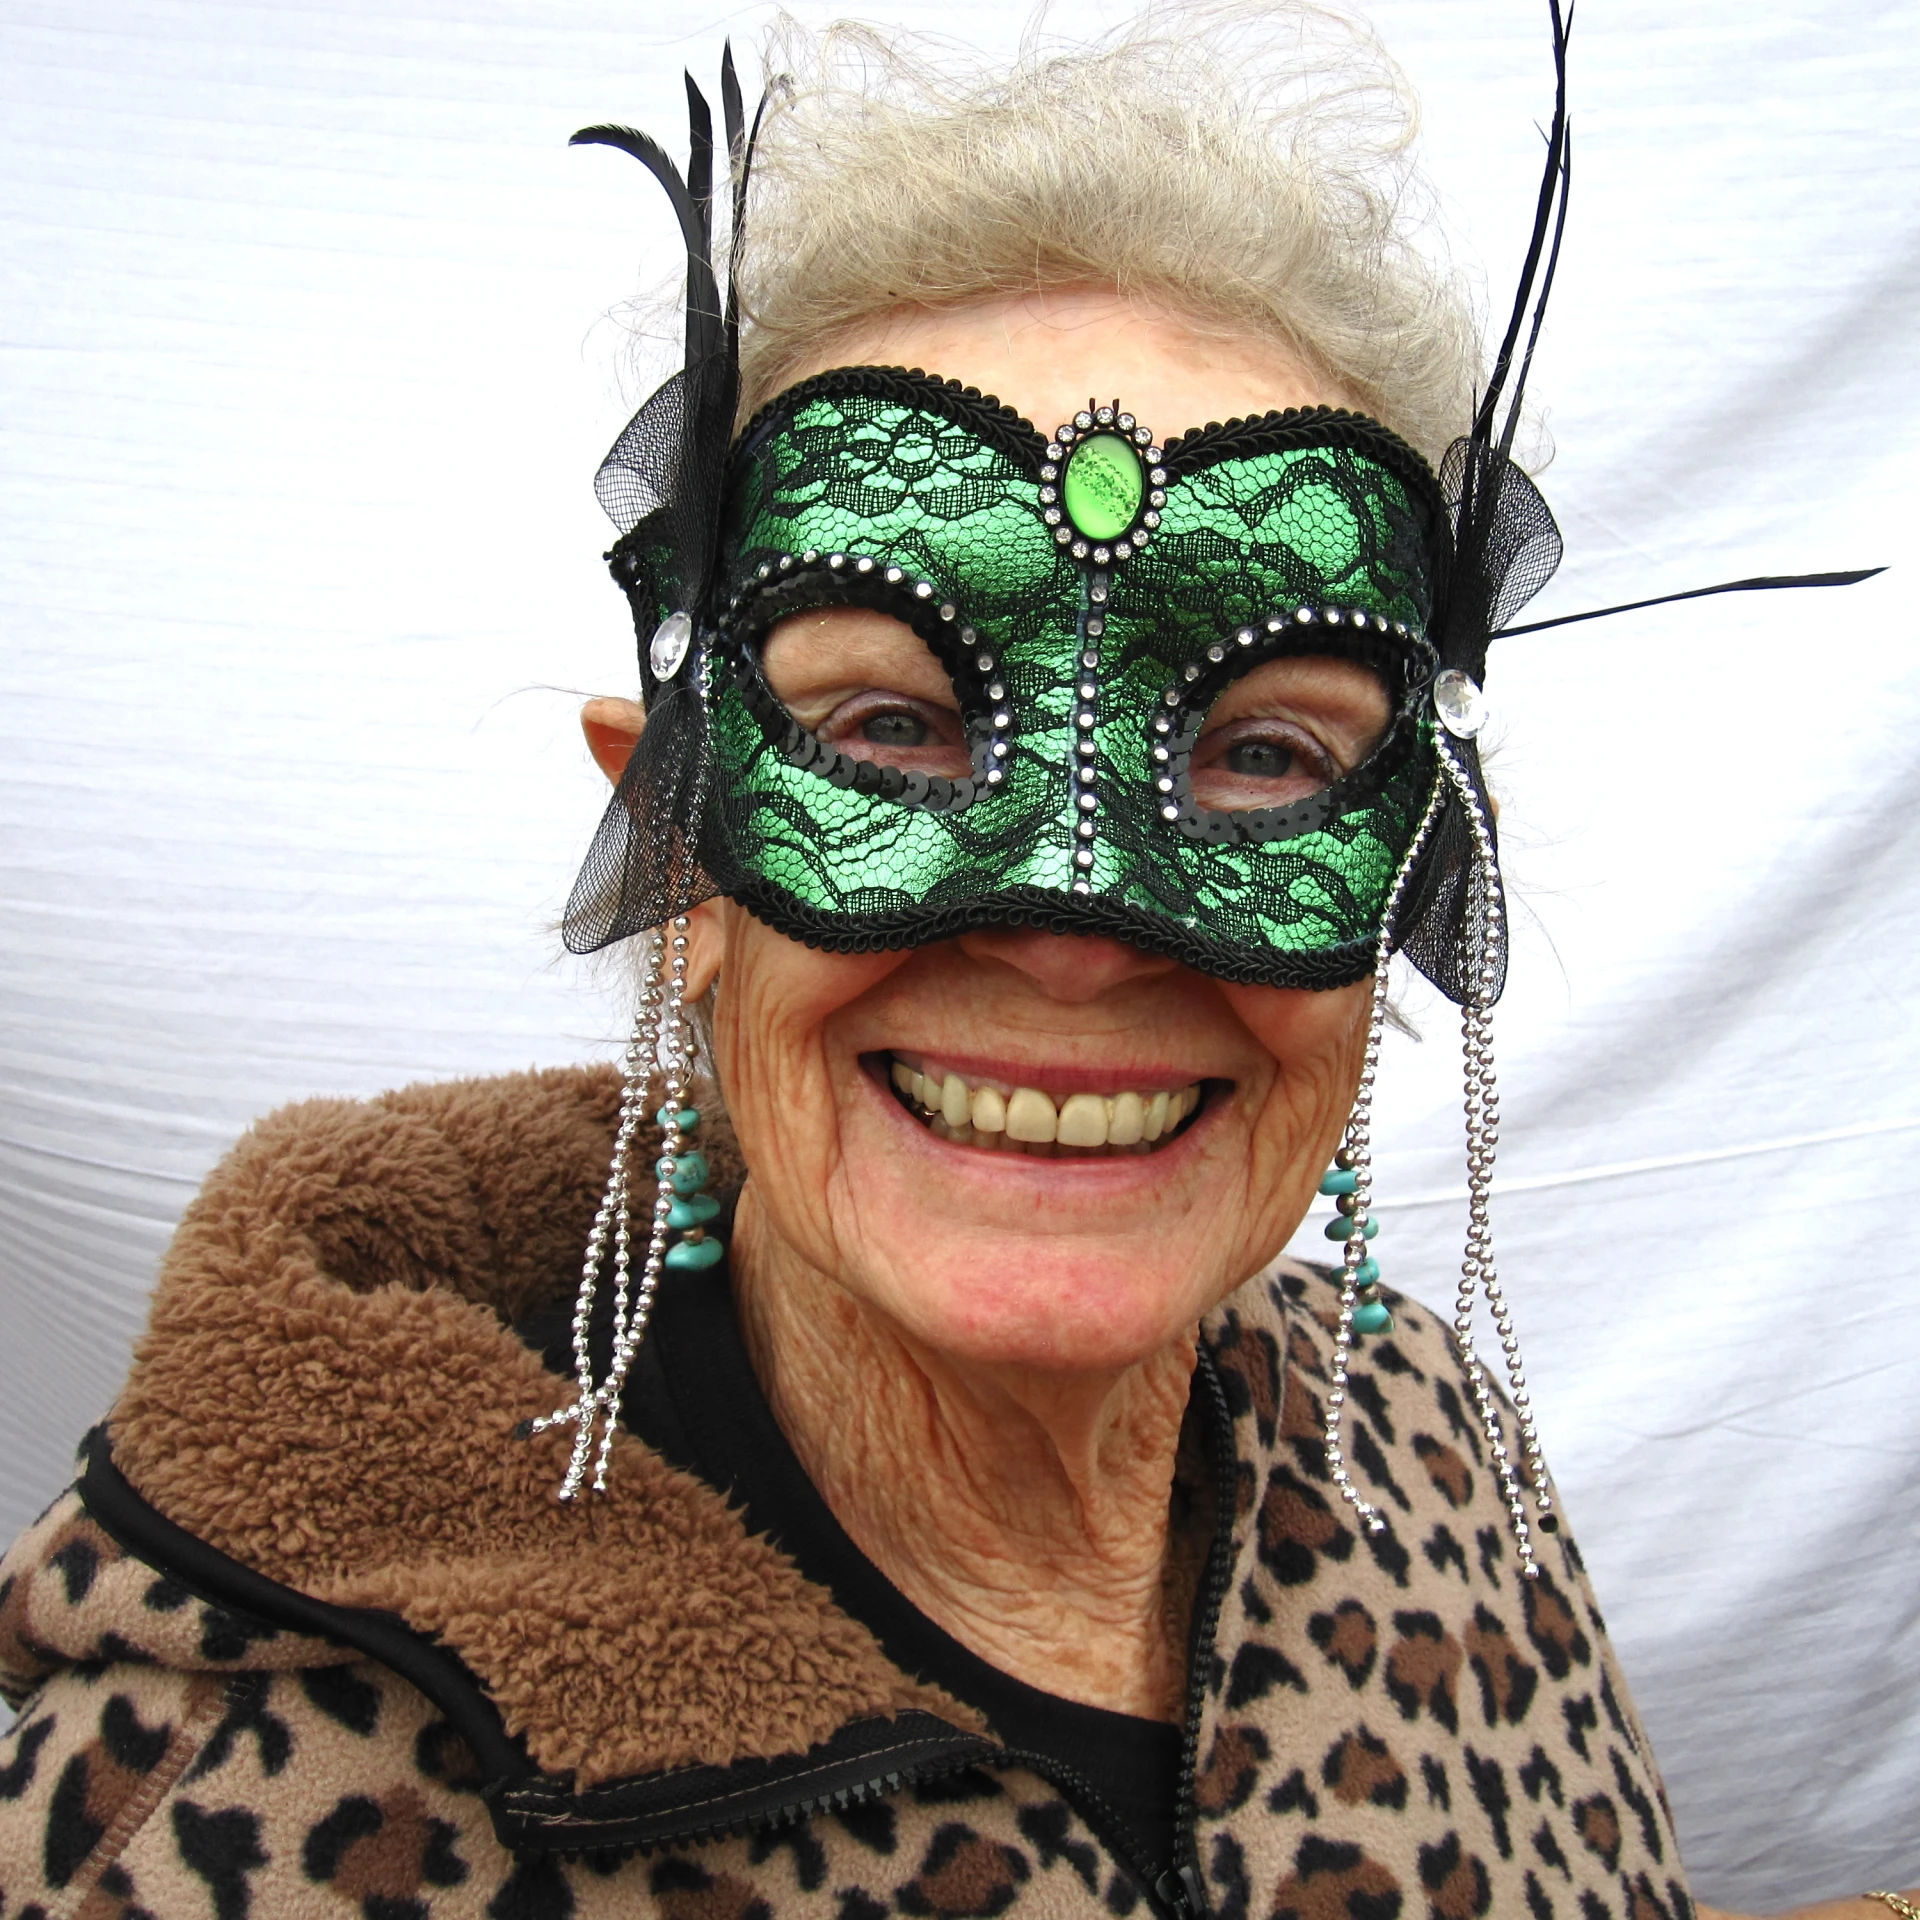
<point x="1070" y="967"/>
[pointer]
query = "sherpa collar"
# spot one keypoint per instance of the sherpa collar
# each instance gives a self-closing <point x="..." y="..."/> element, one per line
<point x="325" y="1400"/>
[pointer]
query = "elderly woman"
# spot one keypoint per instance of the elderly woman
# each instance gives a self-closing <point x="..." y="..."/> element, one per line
<point x="1028" y="793"/>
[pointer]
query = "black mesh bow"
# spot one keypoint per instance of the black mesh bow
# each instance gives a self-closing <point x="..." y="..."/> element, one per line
<point x="662" y="484"/>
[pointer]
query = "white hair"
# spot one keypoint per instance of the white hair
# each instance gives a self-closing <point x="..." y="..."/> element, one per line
<point x="1245" y="164"/>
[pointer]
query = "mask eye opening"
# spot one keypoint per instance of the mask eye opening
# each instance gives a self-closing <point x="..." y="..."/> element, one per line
<point x="787" y="583"/>
<point x="1395" y="650"/>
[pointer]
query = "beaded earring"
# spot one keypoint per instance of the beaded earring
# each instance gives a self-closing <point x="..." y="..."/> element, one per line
<point x="1350" y="1182"/>
<point x="661" y="1045"/>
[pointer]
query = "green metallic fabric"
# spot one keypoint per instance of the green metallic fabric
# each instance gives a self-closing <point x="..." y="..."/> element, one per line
<point x="912" y="495"/>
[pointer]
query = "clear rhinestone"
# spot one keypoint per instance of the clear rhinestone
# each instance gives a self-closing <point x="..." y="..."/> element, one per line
<point x="994" y="776"/>
<point x="1305" y="615"/>
<point x="836" y="560"/>
<point x="997" y="691"/>
<point x="1100" y="556"/>
<point x="984" y="661"/>
<point x="811" y="558"/>
<point x="1084" y="828"/>
<point x="1054" y="451"/>
<point x="1088" y="803"/>
<point x="1083" y="857"/>
<point x="1169" y="813"/>
<point x="1097" y="593"/>
<point x="1079" y="549"/>
<point x="1083" y="420"/>
<point x="1105" y="416"/>
<point x="923" y="590"/>
<point x="1048" y="495"/>
<point x="1244" y="637"/>
<point x="894" y="576"/>
<point x="786" y="563"/>
<point x="1216" y="654"/>
<point x="1158" y="476"/>
<point x="1083" y="886"/>
<point x="668" y="647"/>
<point x="1461" y="705"/>
<point x="864" y="564"/>
<point x="1052" y="516"/>
<point x="1125" y="423"/>
<point x="948" y="610"/>
<point x="1190" y="671"/>
<point x="1088" y="690"/>
<point x="1003" y="719"/>
<point x="1089" y="658"/>
<point x="1063" y="534"/>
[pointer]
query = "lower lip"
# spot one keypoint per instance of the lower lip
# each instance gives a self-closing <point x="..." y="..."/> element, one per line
<point x="1104" y="1173"/>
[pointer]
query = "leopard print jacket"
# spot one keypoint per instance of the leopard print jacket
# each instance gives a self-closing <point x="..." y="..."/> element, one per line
<point x="311" y="1636"/>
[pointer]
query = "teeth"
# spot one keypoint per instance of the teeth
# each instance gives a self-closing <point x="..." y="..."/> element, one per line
<point x="956" y="1103"/>
<point x="1083" y="1121"/>
<point x="1025" y="1120"/>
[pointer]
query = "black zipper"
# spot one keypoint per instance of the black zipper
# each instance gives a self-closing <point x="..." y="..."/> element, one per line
<point x="1185" y="1872"/>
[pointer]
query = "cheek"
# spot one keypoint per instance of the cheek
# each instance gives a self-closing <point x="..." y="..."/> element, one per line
<point x="1317" y="1042"/>
<point x="773" y="1017"/>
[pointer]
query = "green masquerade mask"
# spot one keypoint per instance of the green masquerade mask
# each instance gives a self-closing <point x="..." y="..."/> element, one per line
<point x="1089" y="598"/>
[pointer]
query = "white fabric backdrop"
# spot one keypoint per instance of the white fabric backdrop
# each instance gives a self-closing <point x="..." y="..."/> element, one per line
<point x="305" y="375"/>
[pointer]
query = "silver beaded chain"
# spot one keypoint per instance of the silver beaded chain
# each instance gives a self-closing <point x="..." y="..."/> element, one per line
<point x="1478" y="1273"/>
<point x="660" y="1044"/>
<point x="1486" y="918"/>
<point x="1359" y="1142"/>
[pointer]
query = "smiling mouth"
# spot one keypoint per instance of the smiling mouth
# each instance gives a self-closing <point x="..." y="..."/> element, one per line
<point x="999" y="1118"/>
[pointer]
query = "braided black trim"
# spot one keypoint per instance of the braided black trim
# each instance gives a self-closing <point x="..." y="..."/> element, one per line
<point x="998" y="425"/>
<point x="892" y="932"/>
<point x="1294" y="427"/>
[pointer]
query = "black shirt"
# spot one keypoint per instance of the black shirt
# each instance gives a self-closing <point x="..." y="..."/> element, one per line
<point x="693" y="1396"/>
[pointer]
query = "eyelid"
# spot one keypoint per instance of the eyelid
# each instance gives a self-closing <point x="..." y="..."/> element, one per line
<point x="858" y="707"/>
<point x="1293" y="733"/>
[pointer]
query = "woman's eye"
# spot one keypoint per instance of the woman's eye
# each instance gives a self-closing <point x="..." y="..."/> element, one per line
<point x="1259" y="759"/>
<point x="895" y="730"/>
<point x="1259" y="763"/>
<point x="1286" y="730"/>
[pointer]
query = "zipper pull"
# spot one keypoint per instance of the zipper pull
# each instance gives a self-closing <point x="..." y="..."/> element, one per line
<point x="1181" y="1889"/>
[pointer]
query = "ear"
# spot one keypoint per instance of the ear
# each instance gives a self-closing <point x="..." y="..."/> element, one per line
<point x="613" y="729"/>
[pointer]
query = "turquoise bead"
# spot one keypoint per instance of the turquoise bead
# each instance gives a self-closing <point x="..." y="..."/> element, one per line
<point x="689" y="1172"/>
<point x="1370" y="1316"/>
<point x="1367" y="1272"/>
<point x="1339" y="1180"/>
<point x="1341" y="1228"/>
<point x="689" y="1256"/>
<point x="689" y="1118"/>
<point x="692" y="1210"/>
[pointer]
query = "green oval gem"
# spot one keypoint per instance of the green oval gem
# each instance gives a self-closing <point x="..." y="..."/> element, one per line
<point x="1103" y="486"/>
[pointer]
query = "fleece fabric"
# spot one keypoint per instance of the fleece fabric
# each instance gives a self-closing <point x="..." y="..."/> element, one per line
<point x="312" y="1635"/>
